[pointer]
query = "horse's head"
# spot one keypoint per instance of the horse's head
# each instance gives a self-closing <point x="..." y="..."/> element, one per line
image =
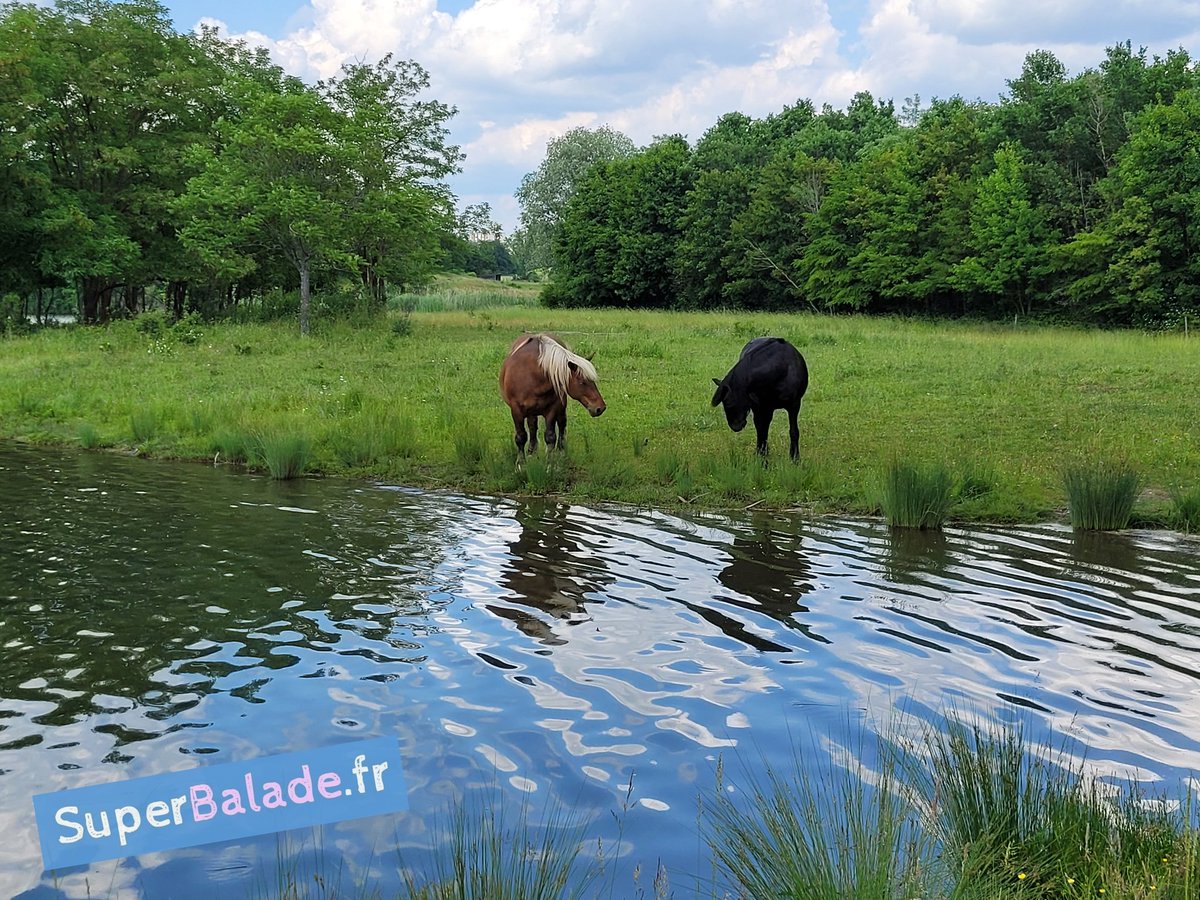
<point x="583" y="389"/>
<point x="737" y="405"/>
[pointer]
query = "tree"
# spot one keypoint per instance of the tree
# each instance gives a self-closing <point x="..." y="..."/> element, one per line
<point x="396" y="152"/>
<point x="1151" y="240"/>
<point x="1010" y="239"/>
<point x="544" y="194"/>
<point x="104" y="103"/>
<point x="620" y="232"/>
<point x="278" y="181"/>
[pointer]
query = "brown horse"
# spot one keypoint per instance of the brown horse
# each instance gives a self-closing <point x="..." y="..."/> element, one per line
<point x="536" y="378"/>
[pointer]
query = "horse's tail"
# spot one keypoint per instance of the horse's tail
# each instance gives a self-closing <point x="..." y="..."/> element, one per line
<point x="555" y="360"/>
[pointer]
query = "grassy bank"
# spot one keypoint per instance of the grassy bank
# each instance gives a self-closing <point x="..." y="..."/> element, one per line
<point x="1007" y="411"/>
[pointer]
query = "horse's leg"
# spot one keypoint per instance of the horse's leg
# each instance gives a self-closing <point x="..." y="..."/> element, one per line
<point x="794" y="432"/>
<point x="533" y="427"/>
<point x="556" y="422"/>
<point x="519" y="437"/>
<point x="562" y="428"/>
<point x="762" y="423"/>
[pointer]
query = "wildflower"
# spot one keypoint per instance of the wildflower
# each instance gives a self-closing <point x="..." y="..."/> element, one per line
<point x="1021" y="876"/>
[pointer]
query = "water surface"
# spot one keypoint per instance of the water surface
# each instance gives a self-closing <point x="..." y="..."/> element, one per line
<point x="157" y="617"/>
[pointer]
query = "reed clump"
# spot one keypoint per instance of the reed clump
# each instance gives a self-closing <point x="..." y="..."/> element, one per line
<point x="285" y="454"/>
<point x="1101" y="496"/>
<point x="916" y="496"/>
<point x="1185" y="509"/>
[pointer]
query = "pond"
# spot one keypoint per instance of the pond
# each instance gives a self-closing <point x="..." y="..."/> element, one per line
<point x="159" y="617"/>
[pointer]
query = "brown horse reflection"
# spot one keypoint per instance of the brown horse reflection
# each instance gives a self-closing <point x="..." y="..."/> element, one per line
<point x="536" y="378"/>
<point x="550" y="575"/>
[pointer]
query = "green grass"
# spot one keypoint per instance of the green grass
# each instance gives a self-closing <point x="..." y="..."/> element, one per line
<point x="285" y="454"/>
<point x="1016" y="405"/>
<point x="1021" y="820"/>
<point x="967" y="811"/>
<point x="915" y="496"/>
<point x="1101" y="496"/>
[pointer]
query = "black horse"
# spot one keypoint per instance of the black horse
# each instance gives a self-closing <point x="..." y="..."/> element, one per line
<point x="769" y="375"/>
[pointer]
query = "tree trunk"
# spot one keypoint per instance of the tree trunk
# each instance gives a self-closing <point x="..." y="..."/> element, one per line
<point x="375" y="286"/>
<point x="90" y="291"/>
<point x="176" y="293"/>
<point x="304" y="295"/>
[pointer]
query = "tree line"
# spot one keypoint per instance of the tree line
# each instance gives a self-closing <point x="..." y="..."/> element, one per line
<point x="135" y="157"/>
<point x="1071" y="198"/>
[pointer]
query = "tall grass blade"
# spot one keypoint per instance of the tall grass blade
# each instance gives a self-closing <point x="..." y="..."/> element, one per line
<point x="489" y="857"/>
<point x="841" y="833"/>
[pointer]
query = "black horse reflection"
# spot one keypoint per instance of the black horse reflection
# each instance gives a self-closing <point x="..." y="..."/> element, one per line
<point x="767" y="573"/>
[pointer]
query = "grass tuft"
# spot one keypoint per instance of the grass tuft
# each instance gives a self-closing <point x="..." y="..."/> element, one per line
<point x="834" y="835"/>
<point x="1101" y="497"/>
<point x="285" y="454"/>
<point x="143" y="425"/>
<point x="1185" y="510"/>
<point x="470" y="444"/>
<point x="915" y="497"/>
<point x="89" y="436"/>
<point x="491" y="857"/>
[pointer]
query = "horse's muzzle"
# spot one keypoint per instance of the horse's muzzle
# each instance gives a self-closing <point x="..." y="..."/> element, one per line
<point x="597" y="411"/>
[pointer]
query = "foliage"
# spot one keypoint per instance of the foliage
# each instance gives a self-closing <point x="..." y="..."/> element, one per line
<point x="619" y="233"/>
<point x="142" y="167"/>
<point x="1073" y="198"/>
<point x="543" y="194"/>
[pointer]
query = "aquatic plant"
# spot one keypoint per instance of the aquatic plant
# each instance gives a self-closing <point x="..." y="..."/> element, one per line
<point x="1101" y="496"/>
<point x="229" y="444"/>
<point x="89" y="435"/>
<point x="916" y="497"/>
<point x="1017" y="819"/>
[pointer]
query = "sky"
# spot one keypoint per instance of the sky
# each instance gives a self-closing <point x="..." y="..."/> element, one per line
<point x="522" y="72"/>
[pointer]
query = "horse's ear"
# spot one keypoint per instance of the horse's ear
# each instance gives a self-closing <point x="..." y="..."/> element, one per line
<point x="722" y="390"/>
<point x="590" y="355"/>
<point x="574" y="367"/>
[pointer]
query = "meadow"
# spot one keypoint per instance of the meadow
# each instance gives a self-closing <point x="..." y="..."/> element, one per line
<point x="1003" y="411"/>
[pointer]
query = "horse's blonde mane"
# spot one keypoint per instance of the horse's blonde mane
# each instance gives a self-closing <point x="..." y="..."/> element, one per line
<point x="555" y="361"/>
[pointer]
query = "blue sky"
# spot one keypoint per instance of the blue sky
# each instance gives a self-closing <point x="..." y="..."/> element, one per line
<point x="522" y="72"/>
